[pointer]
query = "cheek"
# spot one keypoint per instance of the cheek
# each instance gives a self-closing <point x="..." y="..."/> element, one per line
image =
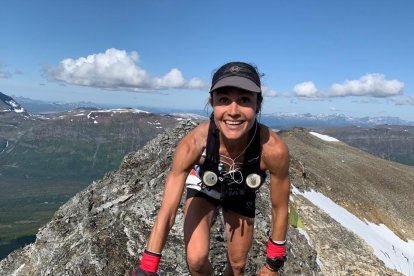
<point x="251" y="111"/>
<point x="217" y="110"/>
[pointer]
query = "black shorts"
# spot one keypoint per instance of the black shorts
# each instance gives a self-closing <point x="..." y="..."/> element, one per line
<point x="237" y="198"/>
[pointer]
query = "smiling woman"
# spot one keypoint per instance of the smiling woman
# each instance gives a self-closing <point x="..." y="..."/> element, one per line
<point x="221" y="164"/>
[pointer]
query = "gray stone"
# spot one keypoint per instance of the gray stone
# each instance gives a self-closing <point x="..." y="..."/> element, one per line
<point x="103" y="229"/>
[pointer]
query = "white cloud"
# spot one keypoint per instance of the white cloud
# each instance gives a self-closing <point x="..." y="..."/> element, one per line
<point x="117" y="69"/>
<point x="374" y="85"/>
<point x="268" y="92"/>
<point x="409" y="100"/>
<point x="306" y="89"/>
<point x="173" y="79"/>
<point x="196" y="83"/>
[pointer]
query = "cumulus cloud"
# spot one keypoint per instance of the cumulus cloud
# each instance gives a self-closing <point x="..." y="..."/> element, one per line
<point x="306" y="89"/>
<point x="374" y="85"/>
<point x="117" y="69"/>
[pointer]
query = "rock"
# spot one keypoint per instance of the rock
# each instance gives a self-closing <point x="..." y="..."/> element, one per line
<point x="104" y="228"/>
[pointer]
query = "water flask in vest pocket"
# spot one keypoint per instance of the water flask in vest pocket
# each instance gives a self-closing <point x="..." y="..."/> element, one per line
<point x="209" y="178"/>
<point x="253" y="180"/>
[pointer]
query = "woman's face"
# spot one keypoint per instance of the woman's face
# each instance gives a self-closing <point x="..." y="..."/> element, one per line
<point x="234" y="112"/>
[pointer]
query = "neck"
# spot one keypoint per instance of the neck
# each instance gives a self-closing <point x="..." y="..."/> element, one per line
<point x="233" y="148"/>
<point x="236" y="148"/>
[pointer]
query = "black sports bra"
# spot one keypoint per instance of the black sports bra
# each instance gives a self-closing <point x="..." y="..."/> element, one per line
<point x="212" y="169"/>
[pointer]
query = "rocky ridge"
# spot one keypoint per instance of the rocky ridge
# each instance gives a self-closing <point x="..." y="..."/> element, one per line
<point x="102" y="229"/>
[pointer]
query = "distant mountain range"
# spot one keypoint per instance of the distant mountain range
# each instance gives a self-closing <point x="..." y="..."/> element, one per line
<point x="274" y="120"/>
<point x="387" y="137"/>
<point x="38" y="106"/>
<point x="307" y="120"/>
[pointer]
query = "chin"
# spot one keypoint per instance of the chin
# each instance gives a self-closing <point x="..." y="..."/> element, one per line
<point x="235" y="133"/>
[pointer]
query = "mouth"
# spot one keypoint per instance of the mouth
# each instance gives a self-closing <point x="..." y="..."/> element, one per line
<point x="233" y="123"/>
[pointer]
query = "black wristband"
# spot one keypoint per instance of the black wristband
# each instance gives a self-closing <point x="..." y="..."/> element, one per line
<point x="152" y="253"/>
<point x="275" y="264"/>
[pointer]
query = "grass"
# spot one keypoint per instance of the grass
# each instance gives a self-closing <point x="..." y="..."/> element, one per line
<point x="46" y="162"/>
<point x="26" y="205"/>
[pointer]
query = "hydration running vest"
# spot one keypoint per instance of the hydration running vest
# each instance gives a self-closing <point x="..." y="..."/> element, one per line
<point x="212" y="171"/>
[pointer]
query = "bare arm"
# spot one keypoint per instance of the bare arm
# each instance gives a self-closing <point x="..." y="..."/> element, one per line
<point x="276" y="158"/>
<point x="186" y="154"/>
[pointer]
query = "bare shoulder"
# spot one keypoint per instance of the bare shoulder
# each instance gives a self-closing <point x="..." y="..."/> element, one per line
<point x="275" y="152"/>
<point x="196" y="138"/>
<point x="190" y="148"/>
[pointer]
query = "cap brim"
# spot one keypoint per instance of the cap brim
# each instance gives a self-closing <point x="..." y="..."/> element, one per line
<point x="238" y="82"/>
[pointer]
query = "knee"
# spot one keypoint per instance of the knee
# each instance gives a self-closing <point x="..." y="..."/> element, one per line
<point x="237" y="266"/>
<point x="197" y="262"/>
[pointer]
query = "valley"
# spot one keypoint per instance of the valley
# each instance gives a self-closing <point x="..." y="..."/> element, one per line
<point x="45" y="159"/>
<point x="389" y="142"/>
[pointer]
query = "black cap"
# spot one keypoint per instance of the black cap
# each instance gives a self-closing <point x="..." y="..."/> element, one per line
<point x="237" y="74"/>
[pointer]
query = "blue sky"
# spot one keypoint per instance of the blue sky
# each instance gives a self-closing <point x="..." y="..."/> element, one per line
<point x="324" y="57"/>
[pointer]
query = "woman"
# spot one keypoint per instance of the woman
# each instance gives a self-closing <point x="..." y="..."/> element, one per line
<point x="222" y="163"/>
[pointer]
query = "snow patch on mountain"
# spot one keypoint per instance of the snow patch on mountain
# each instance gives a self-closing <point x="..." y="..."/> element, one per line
<point x="10" y="104"/>
<point x="388" y="247"/>
<point x="191" y="116"/>
<point x="324" y="137"/>
<point x="156" y="123"/>
<point x="15" y="107"/>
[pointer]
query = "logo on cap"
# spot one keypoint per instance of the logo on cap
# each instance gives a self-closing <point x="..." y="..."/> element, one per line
<point x="235" y="69"/>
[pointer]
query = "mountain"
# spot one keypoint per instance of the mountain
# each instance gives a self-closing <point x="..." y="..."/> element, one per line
<point x="74" y="143"/>
<point x="308" y="120"/>
<point x="390" y="142"/>
<point x="8" y="104"/>
<point x="374" y="190"/>
<point x="102" y="229"/>
<point x="46" y="159"/>
<point x="278" y="120"/>
<point x="38" y="106"/>
<point x="11" y="113"/>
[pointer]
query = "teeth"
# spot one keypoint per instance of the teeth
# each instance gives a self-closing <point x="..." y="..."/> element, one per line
<point x="233" y="123"/>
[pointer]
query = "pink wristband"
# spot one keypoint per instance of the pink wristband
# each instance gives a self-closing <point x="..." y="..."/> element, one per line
<point x="275" y="250"/>
<point x="150" y="261"/>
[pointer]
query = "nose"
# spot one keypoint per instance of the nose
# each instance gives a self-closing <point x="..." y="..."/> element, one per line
<point x="233" y="108"/>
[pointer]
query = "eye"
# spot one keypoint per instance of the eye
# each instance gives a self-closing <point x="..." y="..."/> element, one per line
<point x="223" y="100"/>
<point x="245" y="101"/>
